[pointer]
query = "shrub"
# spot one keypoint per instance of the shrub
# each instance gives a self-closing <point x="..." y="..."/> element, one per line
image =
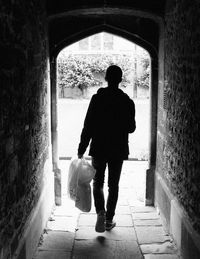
<point x="74" y="72"/>
<point x="78" y="70"/>
<point x="143" y="80"/>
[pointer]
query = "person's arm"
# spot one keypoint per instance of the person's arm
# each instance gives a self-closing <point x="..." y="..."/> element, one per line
<point x="131" y="117"/>
<point x="86" y="133"/>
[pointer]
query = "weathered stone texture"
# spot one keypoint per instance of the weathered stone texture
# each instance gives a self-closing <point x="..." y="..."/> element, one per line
<point x="181" y="143"/>
<point x="23" y="115"/>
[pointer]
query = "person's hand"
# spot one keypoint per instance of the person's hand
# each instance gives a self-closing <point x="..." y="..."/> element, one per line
<point x="80" y="156"/>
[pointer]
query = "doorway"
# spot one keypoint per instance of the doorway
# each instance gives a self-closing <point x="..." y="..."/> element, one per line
<point x="72" y="106"/>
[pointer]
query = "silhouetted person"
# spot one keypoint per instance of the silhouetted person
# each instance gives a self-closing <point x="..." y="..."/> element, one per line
<point x="109" y="120"/>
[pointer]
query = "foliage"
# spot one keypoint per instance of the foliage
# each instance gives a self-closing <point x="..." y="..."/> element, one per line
<point x="102" y="62"/>
<point x="143" y="80"/>
<point x="75" y="72"/>
<point x="78" y="70"/>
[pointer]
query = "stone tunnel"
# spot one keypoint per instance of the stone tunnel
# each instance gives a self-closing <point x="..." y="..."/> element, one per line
<point x="32" y="35"/>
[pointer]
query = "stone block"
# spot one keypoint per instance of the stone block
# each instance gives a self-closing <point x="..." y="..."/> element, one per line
<point x="190" y="243"/>
<point x="57" y="240"/>
<point x="67" y="209"/>
<point x="142" y="209"/>
<point x="123" y="201"/>
<point x="13" y="169"/>
<point x="175" y="223"/>
<point x="117" y="233"/>
<point x="163" y="248"/>
<point x="123" y="209"/>
<point x="52" y="255"/>
<point x="103" y="248"/>
<point x="145" y="216"/>
<point x="87" y="219"/>
<point x="151" y="234"/>
<point x="163" y="256"/>
<point x="163" y="200"/>
<point x="135" y="201"/>
<point x="147" y="222"/>
<point x="62" y="224"/>
<point x="123" y="220"/>
<point x="9" y="146"/>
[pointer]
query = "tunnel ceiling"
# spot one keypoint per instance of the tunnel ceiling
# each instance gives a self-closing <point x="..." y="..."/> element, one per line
<point x="61" y="6"/>
<point x="137" y="20"/>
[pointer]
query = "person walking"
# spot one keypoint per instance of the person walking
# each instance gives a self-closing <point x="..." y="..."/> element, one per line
<point x="109" y="120"/>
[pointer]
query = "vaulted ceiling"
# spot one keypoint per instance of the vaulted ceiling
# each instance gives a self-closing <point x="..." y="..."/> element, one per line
<point x="56" y="7"/>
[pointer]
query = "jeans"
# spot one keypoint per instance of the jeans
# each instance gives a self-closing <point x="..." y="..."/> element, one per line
<point x="114" y="172"/>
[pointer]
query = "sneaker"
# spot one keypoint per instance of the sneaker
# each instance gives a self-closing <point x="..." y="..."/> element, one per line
<point x="110" y="224"/>
<point x="100" y="224"/>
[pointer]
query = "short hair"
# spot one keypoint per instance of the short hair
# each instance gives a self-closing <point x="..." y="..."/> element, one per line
<point x="113" y="74"/>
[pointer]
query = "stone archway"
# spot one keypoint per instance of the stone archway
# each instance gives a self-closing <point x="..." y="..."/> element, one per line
<point x="129" y="35"/>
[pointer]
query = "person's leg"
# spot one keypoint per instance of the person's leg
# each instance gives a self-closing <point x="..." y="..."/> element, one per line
<point x="98" y="182"/>
<point x="114" y="172"/>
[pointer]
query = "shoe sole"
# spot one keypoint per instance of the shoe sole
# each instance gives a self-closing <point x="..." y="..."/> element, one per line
<point x="111" y="227"/>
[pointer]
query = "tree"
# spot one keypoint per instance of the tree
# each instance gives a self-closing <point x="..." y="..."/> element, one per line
<point x="62" y="78"/>
<point x="78" y="71"/>
<point x="143" y="80"/>
<point x="74" y="72"/>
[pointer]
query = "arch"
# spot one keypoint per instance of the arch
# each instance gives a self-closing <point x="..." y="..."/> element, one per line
<point x="109" y="29"/>
<point x="153" y="51"/>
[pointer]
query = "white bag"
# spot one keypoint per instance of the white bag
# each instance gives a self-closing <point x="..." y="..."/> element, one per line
<point x="80" y="175"/>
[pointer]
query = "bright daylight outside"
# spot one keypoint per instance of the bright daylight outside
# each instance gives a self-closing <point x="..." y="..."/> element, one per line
<point x="81" y="69"/>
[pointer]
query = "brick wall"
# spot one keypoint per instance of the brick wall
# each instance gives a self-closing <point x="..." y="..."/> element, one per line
<point x="23" y="115"/>
<point x="180" y="163"/>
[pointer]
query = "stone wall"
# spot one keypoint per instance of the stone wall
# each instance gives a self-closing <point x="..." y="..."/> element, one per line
<point x="179" y="121"/>
<point x="24" y="129"/>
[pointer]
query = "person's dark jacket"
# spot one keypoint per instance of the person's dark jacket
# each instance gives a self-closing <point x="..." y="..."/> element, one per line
<point x="109" y="120"/>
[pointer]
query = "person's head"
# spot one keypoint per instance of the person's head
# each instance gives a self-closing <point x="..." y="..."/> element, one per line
<point x="113" y="75"/>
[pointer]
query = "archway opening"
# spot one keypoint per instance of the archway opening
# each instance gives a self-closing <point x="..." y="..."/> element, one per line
<point x="74" y="93"/>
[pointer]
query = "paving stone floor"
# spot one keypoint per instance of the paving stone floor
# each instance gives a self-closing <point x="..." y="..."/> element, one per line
<point x="139" y="232"/>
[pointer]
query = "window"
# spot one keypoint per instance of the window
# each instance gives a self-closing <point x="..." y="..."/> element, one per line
<point x="108" y="41"/>
<point x="96" y="42"/>
<point x="84" y="44"/>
